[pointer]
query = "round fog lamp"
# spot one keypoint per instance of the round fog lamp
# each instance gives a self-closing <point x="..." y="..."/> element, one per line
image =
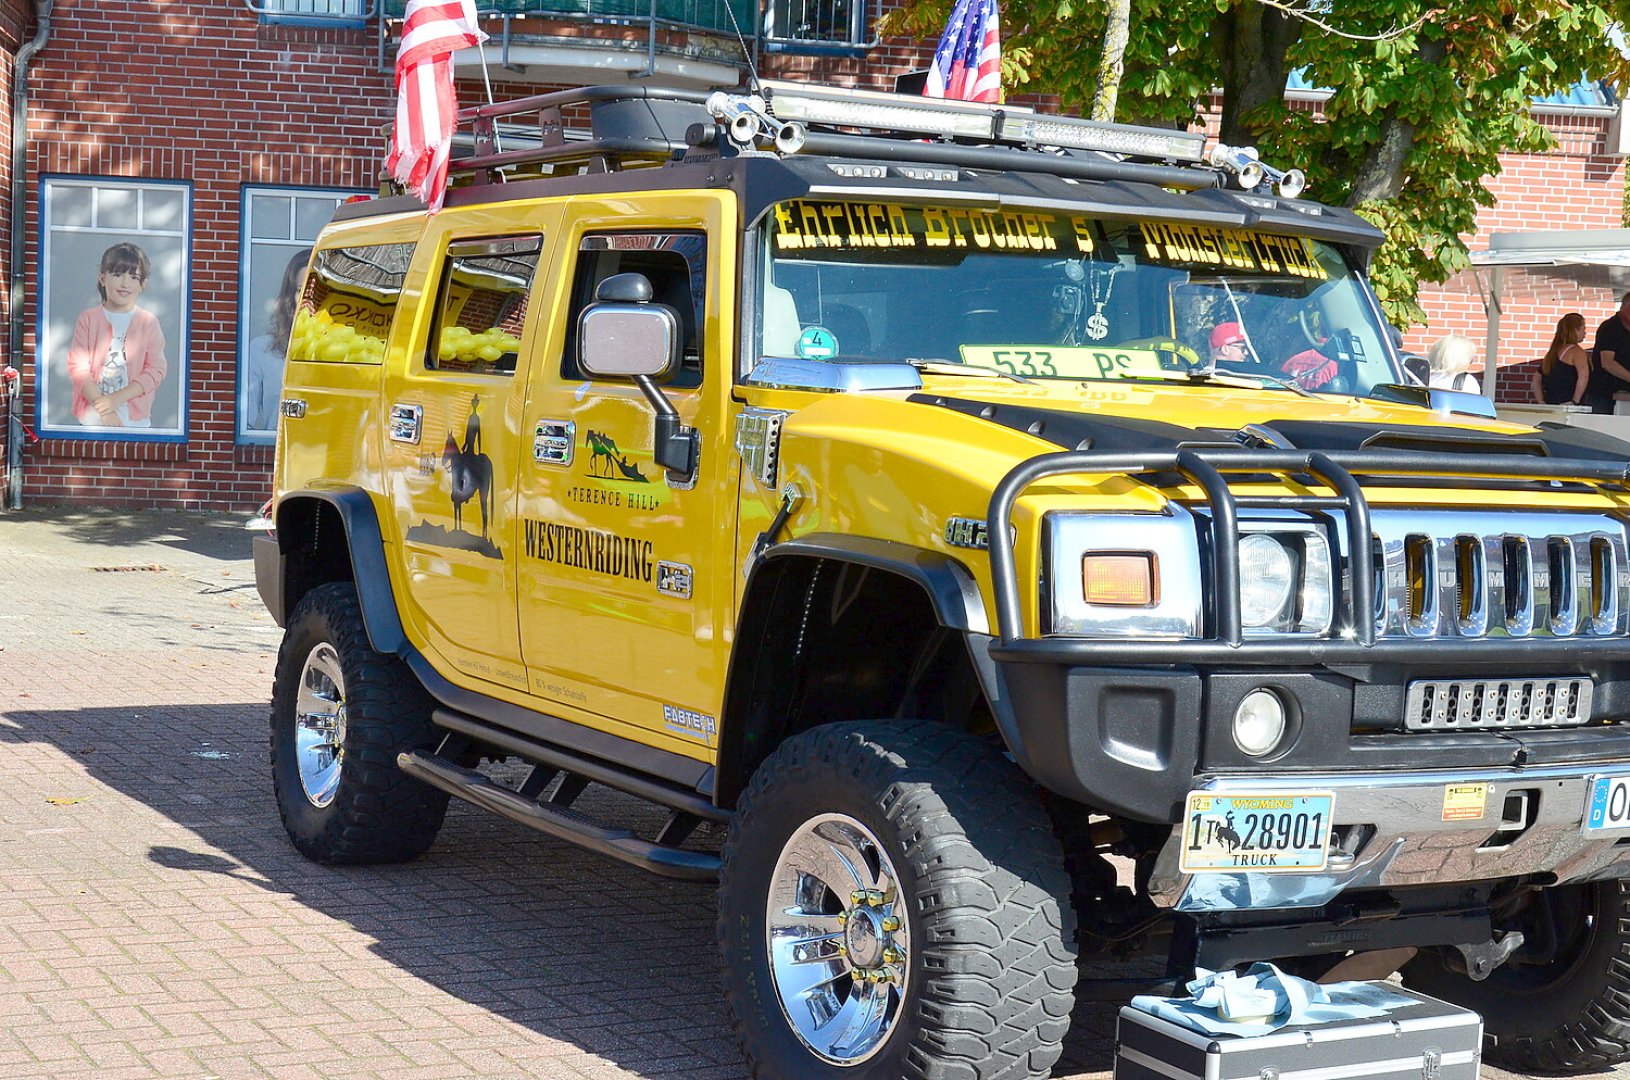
<point x="1259" y="722"/>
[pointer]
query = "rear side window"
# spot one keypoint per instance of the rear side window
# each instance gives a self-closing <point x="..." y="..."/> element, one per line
<point x="481" y="304"/>
<point x="347" y="303"/>
<point x="676" y="266"/>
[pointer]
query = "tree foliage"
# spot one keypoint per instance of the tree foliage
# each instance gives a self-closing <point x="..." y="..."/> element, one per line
<point x="1424" y="97"/>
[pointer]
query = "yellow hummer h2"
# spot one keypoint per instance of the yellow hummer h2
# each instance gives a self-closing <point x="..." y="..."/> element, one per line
<point x="1015" y="535"/>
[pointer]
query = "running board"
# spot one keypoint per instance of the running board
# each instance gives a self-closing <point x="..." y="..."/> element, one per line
<point x="559" y="821"/>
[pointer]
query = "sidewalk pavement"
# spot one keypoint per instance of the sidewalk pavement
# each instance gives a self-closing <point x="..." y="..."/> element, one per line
<point x="155" y="921"/>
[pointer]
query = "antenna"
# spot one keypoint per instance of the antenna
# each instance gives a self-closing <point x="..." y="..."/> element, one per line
<point x="752" y="70"/>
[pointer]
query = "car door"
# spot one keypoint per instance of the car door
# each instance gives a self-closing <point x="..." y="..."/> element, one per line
<point x="454" y="402"/>
<point x="625" y="591"/>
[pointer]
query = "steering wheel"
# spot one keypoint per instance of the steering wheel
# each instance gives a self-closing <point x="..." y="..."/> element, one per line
<point x="1186" y="358"/>
<point x="1305" y="324"/>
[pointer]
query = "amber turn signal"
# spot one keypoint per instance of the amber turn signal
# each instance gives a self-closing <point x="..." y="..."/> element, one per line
<point x="1119" y="578"/>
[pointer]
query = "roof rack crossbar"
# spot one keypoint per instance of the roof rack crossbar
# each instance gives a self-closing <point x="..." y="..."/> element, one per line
<point x="583" y="95"/>
<point x="583" y="150"/>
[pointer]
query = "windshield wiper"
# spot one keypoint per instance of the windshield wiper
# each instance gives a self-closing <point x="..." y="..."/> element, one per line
<point x="1250" y="378"/>
<point x="952" y="367"/>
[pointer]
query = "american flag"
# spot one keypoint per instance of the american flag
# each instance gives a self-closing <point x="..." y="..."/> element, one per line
<point x="968" y="63"/>
<point x="426" y="108"/>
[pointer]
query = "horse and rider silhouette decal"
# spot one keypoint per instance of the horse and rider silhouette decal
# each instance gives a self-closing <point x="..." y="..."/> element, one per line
<point x="469" y="474"/>
<point x="607" y="462"/>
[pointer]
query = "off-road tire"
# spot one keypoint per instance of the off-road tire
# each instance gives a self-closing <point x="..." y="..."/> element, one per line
<point x="991" y="965"/>
<point x="377" y="814"/>
<point x="1569" y="1016"/>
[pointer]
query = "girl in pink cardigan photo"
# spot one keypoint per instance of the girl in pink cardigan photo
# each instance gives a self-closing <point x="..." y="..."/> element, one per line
<point x="116" y="359"/>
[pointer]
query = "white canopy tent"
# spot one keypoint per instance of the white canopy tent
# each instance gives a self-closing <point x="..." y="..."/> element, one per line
<point x="1540" y="263"/>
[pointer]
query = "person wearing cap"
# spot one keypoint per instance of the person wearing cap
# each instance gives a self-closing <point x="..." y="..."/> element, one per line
<point x="1228" y="344"/>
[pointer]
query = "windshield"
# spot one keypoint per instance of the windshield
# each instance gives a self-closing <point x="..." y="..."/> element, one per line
<point x="1047" y="295"/>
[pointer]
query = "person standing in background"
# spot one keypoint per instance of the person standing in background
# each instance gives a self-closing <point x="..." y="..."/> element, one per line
<point x="1451" y="359"/>
<point x="263" y="365"/>
<point x="116" y="358"/>
<point x="1564" y="372"/>
<point x="1612" y="355"/>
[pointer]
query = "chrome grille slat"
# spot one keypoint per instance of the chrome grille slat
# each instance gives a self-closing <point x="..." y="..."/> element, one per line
<point x="1490" y="574"/>
<point x="1481" y="704"/>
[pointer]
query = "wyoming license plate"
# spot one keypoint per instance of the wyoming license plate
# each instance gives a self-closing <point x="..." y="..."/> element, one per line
<point x="1268" y="832"/>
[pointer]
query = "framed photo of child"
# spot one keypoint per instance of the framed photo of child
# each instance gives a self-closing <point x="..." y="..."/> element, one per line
<point x="115" y="286"/>
<point x="279" y="225"/>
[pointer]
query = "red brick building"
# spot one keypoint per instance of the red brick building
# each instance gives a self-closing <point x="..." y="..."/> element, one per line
<point x="217" y="136"/>
<point x="1578" y="185"/>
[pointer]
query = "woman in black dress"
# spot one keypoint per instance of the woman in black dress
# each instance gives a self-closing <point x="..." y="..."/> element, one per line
<point x="1565" y="373"/>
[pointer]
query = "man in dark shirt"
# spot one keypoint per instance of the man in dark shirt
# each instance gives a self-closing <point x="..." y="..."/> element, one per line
<point x="1612" y="350"/>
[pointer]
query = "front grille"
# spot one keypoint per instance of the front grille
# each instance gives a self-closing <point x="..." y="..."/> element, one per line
<point x="1473" y="704"/>
<point x="1476" y="574"/>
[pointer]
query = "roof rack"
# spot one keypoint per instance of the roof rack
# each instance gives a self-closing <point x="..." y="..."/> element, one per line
<point x="632" y="126"/>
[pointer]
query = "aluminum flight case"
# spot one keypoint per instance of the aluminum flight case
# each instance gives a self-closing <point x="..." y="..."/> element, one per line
<point x="1427" y="1040"/>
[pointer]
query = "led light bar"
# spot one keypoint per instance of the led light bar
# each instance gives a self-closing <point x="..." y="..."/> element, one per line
<point x="1038" y="129"/>
<point x="871" y="109"/>
<point x="960" y="119"/>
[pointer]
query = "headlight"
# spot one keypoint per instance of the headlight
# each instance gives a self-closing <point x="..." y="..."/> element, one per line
<point x="1286" y="583"/>
<point x="1266" y="578"/>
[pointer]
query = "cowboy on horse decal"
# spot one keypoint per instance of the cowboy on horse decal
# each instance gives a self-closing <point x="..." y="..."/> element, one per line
<point x="470" y="469"/>
<point x="470" y="480"/>
<point x="607" y="461"/>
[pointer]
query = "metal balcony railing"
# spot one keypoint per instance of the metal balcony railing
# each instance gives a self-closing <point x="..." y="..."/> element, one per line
<point x="695" y="14"/>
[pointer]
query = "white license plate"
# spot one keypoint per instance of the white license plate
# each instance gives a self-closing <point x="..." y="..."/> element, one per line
<point x="1263" y="832"/>
<point x="1607" y="806"/>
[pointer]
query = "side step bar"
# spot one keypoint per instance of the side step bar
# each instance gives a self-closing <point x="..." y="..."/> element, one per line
<point x="559" y="821"/>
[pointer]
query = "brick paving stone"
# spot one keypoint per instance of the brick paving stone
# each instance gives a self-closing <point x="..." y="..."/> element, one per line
<point x="162" y="926"/>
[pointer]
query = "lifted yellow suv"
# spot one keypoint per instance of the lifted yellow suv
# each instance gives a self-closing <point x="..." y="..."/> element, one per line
<point x="1015" y="535"/>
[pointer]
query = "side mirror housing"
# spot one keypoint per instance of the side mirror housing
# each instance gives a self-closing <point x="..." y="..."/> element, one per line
<point x="1417" y="367"/>
<point x="627" y="341"/>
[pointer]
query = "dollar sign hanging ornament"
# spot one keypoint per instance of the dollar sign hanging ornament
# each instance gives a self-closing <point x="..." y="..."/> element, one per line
<point x="1097" y="324"/>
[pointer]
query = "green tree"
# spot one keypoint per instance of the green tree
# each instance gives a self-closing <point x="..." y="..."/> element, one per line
<point x="1425" y="96"/>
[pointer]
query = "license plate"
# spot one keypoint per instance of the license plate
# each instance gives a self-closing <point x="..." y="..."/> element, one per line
<point x="1263" y="833"/>
<point x="1608" y="805"/>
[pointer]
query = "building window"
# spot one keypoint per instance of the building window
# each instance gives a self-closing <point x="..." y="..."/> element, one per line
<point x="315" y="12"/>
<point x="817" y="22"/>
<point x="114" y="303"/>
<point x="279" y="226"/>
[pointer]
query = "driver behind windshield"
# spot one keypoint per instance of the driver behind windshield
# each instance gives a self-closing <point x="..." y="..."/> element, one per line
<point x="1228" y="345"/>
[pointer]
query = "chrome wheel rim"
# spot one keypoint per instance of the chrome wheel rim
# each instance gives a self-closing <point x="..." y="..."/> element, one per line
<point x="839" y="939"/>
<point x="319" y="725"/>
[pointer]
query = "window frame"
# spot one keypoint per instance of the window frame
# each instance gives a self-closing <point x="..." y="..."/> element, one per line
<point x="855" y="43"/>
<point x="53" y="337"/>
<point x="685" y="378"/>
<point x="249" y="294"/>
<point x="458" y="247"/>
<point x="278" y="13"/>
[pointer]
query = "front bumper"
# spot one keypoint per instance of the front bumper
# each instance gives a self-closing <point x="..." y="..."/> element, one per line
<point x="1389" y="831"/>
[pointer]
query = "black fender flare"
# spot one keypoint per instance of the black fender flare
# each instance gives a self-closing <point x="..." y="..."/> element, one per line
<point x="947" y="584"/>
<point x="950" y="588"/>
<point x="365" y="546"/>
